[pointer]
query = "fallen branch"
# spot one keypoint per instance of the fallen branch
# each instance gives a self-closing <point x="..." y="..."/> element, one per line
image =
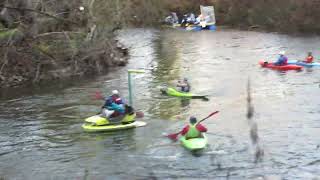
<point x="53" y="33"/>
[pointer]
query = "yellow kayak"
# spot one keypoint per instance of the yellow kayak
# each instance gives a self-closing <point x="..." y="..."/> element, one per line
<point x="101" y="124"/>
<point x="116" y="127"/>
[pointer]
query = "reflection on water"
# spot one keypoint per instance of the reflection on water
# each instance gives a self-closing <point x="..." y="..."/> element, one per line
<point x="41" y="135"/>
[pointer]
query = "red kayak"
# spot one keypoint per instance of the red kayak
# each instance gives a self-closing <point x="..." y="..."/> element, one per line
<point x="265" y="64"/>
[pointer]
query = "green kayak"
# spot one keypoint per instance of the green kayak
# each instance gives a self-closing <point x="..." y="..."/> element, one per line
<point x="116" y="127"/>
<point x="172" y="92"/>
<point x="194" y="143"/>
<point x="100" y="124"/>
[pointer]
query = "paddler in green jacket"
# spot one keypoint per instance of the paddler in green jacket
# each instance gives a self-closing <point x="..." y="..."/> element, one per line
<point x="194" y="129"/>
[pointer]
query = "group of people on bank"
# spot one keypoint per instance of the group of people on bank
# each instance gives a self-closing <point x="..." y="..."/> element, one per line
<point x="187" y="19"/>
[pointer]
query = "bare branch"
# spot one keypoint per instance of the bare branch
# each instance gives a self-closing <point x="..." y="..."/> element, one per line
<point x="39" y="12"/>
<point x="53" y="33"/>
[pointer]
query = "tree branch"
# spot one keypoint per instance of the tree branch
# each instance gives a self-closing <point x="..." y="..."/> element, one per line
<point x="53" y="33"/>
<point x="39" y="12"/>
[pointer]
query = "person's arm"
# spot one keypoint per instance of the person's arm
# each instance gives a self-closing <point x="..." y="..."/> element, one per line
<point x="108" y="102"/>
<point x="285" y="60"/>
<point x="185" y="130"/>
<point x="181" y="85"/>
<point x="201" y="128"/>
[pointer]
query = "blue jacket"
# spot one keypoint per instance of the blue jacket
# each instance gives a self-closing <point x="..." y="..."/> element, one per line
<point x="112" y="100"/>
<point x="282" y="60"/>
<point x="117" y="107"/>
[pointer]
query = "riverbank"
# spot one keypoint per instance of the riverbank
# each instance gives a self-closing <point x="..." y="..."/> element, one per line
<point x="42" y="42"/>
<point x="288" y="16"/>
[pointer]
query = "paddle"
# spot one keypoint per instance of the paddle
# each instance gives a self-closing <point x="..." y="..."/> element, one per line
<point x="98" y="96"/>
<point x="175" y="135"/>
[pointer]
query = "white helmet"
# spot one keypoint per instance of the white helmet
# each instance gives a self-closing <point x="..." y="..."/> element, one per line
<point x="115" y="92"/>
<point x="81" y="8"/>
<point x="282" y="53"/>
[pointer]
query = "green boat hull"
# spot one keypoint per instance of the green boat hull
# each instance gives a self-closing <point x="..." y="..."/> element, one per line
<point x="88" y="127"/>
<point x="194" y="144"/>
<point x="175" y="93"/>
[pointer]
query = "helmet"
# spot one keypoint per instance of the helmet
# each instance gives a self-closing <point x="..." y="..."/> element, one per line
<point x="193" y="120"/>
<point x="282" y="53"/>
<point x="115" y="92"/>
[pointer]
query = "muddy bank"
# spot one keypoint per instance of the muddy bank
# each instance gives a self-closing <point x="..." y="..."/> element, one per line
<point x="37" y="61"/>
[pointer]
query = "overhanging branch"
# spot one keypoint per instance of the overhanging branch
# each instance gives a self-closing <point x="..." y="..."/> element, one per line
<point x="39" y="12"/>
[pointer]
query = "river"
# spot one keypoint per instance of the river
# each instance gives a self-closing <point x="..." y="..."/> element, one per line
<point x="41" y="135"/>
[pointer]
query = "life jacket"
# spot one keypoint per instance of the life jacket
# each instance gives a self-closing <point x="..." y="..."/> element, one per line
<point x="309" y="59"/>
<point x="193" y="132"/>
<point x="118" y="100"/>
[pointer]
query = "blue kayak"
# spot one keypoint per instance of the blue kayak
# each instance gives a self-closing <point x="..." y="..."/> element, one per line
<point x="300" y="63"/>
<point x="210" y="27"/>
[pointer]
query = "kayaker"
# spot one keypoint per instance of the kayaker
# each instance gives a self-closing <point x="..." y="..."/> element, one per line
<point x="282" y="60"/>
<point x="199" y="19"/>
<point x="194" y="129"/>
<point x="184" y="85"/>
<point x="113" y="106"/>
<point x="309" y="58"/>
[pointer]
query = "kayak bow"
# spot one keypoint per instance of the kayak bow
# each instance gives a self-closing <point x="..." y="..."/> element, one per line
<point x="194" y="144"/>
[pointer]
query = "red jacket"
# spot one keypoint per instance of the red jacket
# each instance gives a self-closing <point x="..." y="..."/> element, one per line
<point x="199" y="127"/>
<point x="309" y="59"/>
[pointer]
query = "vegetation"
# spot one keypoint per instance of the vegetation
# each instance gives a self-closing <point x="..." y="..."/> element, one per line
<point x="285" y="15"/>
<point x="52" y="39"/>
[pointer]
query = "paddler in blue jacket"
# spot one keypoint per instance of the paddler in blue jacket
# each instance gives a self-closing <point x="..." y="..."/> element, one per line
<point x="113" y="106"/>
<point x="282" y="60"/>
<point x="184" y="85"/>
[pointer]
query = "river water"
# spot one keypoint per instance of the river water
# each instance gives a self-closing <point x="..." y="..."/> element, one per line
<point x="41" y="135"/>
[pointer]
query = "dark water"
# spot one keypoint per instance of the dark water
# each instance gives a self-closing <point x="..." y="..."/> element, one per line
<point x="41" y="135"/>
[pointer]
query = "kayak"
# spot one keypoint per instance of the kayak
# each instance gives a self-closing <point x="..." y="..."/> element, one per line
<point x="300" y="63"/>
<point x="265" y="64"/>
<point x="194" y="144"/>
<point x="100" y="124"/>
<point x="173" y="92"/>
<point x="116" y="127"/>
<point x="211" y="27"/>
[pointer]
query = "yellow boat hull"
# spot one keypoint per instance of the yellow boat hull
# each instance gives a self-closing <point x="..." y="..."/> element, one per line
<point x="106" y="128"/>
